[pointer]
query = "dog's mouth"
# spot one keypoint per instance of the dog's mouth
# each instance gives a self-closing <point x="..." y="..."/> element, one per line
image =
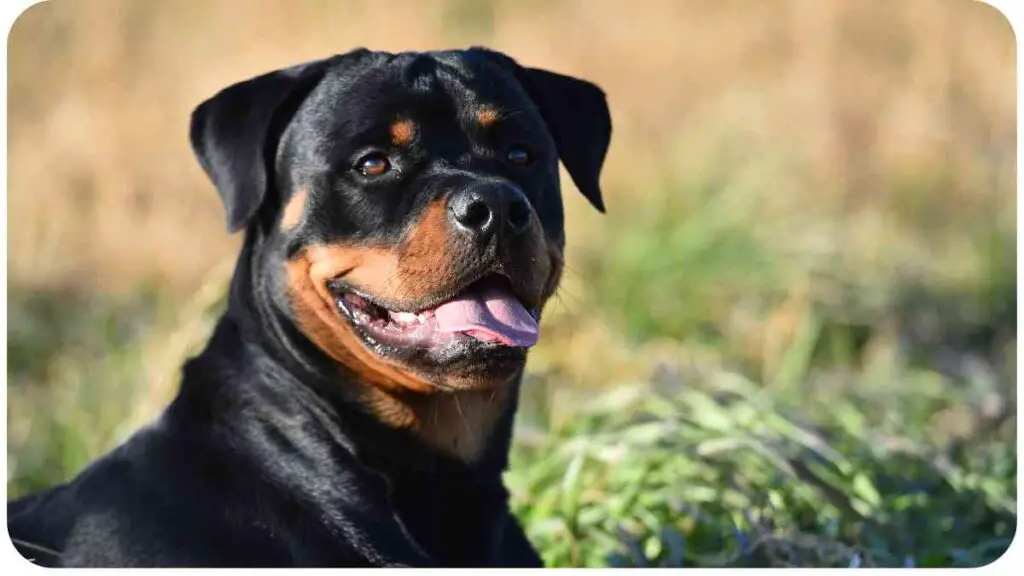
<point x="486" y="313"/>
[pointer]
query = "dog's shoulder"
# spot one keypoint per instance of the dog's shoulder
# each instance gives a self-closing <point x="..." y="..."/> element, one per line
<point x="153" y="501"/>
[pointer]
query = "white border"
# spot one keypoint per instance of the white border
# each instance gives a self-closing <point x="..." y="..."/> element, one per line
<point x="13" y="563"/>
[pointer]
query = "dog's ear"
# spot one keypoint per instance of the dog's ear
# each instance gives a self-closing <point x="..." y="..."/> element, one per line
<point x="576" y="113"/>
<point x="234" y="134"/>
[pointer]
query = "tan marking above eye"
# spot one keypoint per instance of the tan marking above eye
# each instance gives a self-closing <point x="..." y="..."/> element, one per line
<point x="488" y="115"/>
<point x="403" y="132"/>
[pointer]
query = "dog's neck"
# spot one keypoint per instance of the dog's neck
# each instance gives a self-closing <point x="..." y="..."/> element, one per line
<point x="324" y="449"/>
<point x="459" y="424"/>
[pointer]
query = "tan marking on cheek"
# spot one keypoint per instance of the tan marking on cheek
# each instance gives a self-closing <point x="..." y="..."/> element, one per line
<point x="416" y="270"/>
<point x="413" y="271"/>
<point x="316" y="314"/>
<point x="487" y="116"/>
<point x="292" y="215"/>
<point x="402" y="132"/>
<point x="374" y="270"/>
<point x="425" y="261"/>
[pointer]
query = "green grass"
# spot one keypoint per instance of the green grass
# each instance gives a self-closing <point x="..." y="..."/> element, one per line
<point x="711" y="469"/>
<point x="72" y="369"/>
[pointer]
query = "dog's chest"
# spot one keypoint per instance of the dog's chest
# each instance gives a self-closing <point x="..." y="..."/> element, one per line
<point x="457" y="523"/>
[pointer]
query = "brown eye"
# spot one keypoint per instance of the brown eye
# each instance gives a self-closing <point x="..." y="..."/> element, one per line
<point x="518" y="156"/>
<point x="373" y="164"/>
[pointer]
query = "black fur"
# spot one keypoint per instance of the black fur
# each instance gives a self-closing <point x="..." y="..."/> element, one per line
<point x="260" y="460"/>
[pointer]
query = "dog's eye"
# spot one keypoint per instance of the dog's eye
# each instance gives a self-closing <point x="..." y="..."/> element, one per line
<point x="518" y="156"/>
<point x="373" y="164"/>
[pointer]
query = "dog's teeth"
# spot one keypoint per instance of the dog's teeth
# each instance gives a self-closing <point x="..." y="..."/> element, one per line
<point x="355" y="299"/>
<point x="403" y="317"/>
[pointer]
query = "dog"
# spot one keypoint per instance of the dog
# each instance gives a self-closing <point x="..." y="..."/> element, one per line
<point x="353" y="407"/>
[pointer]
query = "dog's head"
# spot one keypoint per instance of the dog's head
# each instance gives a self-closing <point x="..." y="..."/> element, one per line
<point x="408" y="204"/>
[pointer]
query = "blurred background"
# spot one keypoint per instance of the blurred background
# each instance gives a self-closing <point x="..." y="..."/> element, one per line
<point x="790" y="341"/>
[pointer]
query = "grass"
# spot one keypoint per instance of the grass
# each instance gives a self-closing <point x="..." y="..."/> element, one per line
<point x="791" y="340"/>
<point x="721" y="473"/>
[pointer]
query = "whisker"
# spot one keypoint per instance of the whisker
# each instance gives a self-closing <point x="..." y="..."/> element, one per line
<point x="458" y="408"/>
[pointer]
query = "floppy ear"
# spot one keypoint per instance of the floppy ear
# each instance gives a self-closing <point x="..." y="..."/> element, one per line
<point x="576" y="113"/>
<point x="234" y="134"/>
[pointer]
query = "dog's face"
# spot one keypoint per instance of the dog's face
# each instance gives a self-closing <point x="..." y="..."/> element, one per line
<point x="409" y="204"/>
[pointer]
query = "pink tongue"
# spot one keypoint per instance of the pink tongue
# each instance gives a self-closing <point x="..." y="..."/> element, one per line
<point x="488" y="312"/>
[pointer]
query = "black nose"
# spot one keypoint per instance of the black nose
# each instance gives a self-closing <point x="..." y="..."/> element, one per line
<point x="486" y="210"/>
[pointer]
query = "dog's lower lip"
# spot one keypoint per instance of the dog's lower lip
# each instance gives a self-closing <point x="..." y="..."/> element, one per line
<point x="406" y="332"/>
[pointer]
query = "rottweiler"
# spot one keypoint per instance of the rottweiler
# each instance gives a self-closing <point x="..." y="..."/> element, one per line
<point x="403" y="230"/>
